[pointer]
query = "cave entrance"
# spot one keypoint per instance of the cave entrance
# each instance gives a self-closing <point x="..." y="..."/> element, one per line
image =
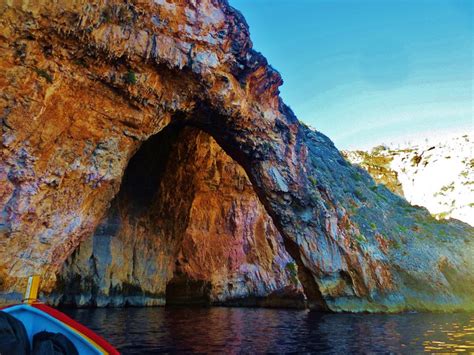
<point x="186" y="228"/>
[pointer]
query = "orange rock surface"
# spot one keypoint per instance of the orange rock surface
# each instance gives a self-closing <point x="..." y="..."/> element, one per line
<point x="84" y="84"/>
<point x="186" y="227"/>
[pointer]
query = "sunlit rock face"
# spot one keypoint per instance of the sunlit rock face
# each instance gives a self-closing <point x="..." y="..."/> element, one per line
<point x="436" y="173"/>
<point x="83" y="85"/>
<point x="185" y="228"/>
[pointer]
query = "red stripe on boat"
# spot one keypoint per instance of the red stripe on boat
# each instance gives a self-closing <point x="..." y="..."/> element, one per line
<point x="8" y="306"/>
<point x="77" y="326"/>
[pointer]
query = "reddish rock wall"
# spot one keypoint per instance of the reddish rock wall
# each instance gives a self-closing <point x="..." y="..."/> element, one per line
<point x="84" y="83"/>
<point x="186" y="227"/>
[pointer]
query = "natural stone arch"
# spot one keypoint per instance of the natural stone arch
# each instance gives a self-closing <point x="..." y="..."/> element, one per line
<point x="97" y="79"/>
<point x="185" y="228"/>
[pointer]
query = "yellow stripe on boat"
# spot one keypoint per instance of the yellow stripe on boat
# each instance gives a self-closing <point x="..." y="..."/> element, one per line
<point x="31" y="299"/>
<point x="31" y="293"/>
<point x="98" y="347"/>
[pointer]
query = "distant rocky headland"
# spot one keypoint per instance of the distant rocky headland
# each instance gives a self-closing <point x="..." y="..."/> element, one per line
<point x="148" y="159"/>
<point x="436" y="173"/>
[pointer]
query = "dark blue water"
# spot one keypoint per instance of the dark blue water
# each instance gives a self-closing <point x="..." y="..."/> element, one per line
<point x="250" y="330"/>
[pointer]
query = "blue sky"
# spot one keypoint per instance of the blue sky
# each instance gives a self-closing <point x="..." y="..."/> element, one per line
<point x="370" y="71"/>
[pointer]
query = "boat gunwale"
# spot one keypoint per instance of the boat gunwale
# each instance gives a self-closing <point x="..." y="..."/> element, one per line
<point x="87" y="335"/>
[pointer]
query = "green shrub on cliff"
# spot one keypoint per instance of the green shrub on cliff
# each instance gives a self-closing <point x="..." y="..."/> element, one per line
<point x="130" y="77"/>
<point x="313" y="180"/>
<point x="43" y="73"/>
<point x="293" y="270"/>
<point x="361" y="238"/>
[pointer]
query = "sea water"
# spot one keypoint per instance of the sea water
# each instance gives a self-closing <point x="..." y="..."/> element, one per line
<point x="259" y="330"/>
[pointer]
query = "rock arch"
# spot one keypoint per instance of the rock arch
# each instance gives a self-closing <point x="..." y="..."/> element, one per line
<point x="83" y="84"/>
<point x="185" y="228"/>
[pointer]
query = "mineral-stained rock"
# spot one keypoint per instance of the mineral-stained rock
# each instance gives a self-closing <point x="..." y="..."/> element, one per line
<point x="83" y="84"/>
<point x="186" y="217"/>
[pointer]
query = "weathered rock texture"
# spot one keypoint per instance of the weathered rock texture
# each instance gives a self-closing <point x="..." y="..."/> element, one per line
<point x="437" y="173"/>
<point x="84" y="83"/>
<point x="186" y="227"/>
<point x="378" y="166"/>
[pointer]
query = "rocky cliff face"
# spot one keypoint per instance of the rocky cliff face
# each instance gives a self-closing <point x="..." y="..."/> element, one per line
<point x="437" y="173"/>
<point x="186" y="227"/>
<point x="84" y="84"/>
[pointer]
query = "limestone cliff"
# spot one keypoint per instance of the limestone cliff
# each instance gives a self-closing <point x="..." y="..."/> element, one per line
<point x="186" y="227"/>
<point x="84" y="84"/>
<point x="436" y="173"/>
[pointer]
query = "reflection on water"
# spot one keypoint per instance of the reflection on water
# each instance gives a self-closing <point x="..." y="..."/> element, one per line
<point x="145" y="330"/>
<point x="450" y="336"/>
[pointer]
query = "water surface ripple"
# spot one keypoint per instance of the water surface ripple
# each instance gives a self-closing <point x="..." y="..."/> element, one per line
<point x="250" y="330"/>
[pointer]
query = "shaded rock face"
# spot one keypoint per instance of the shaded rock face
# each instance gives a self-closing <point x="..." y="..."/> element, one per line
<point x="185" y="228"/>
<point x="84" y="84"/>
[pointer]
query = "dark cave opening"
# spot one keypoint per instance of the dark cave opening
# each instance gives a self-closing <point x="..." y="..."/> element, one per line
<point x="123" y="239"/>
<point x="141" y="180"/>
<point x="153" y="204"/>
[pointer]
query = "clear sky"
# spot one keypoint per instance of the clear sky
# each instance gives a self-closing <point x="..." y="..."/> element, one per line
<point x="370" y="71"/>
